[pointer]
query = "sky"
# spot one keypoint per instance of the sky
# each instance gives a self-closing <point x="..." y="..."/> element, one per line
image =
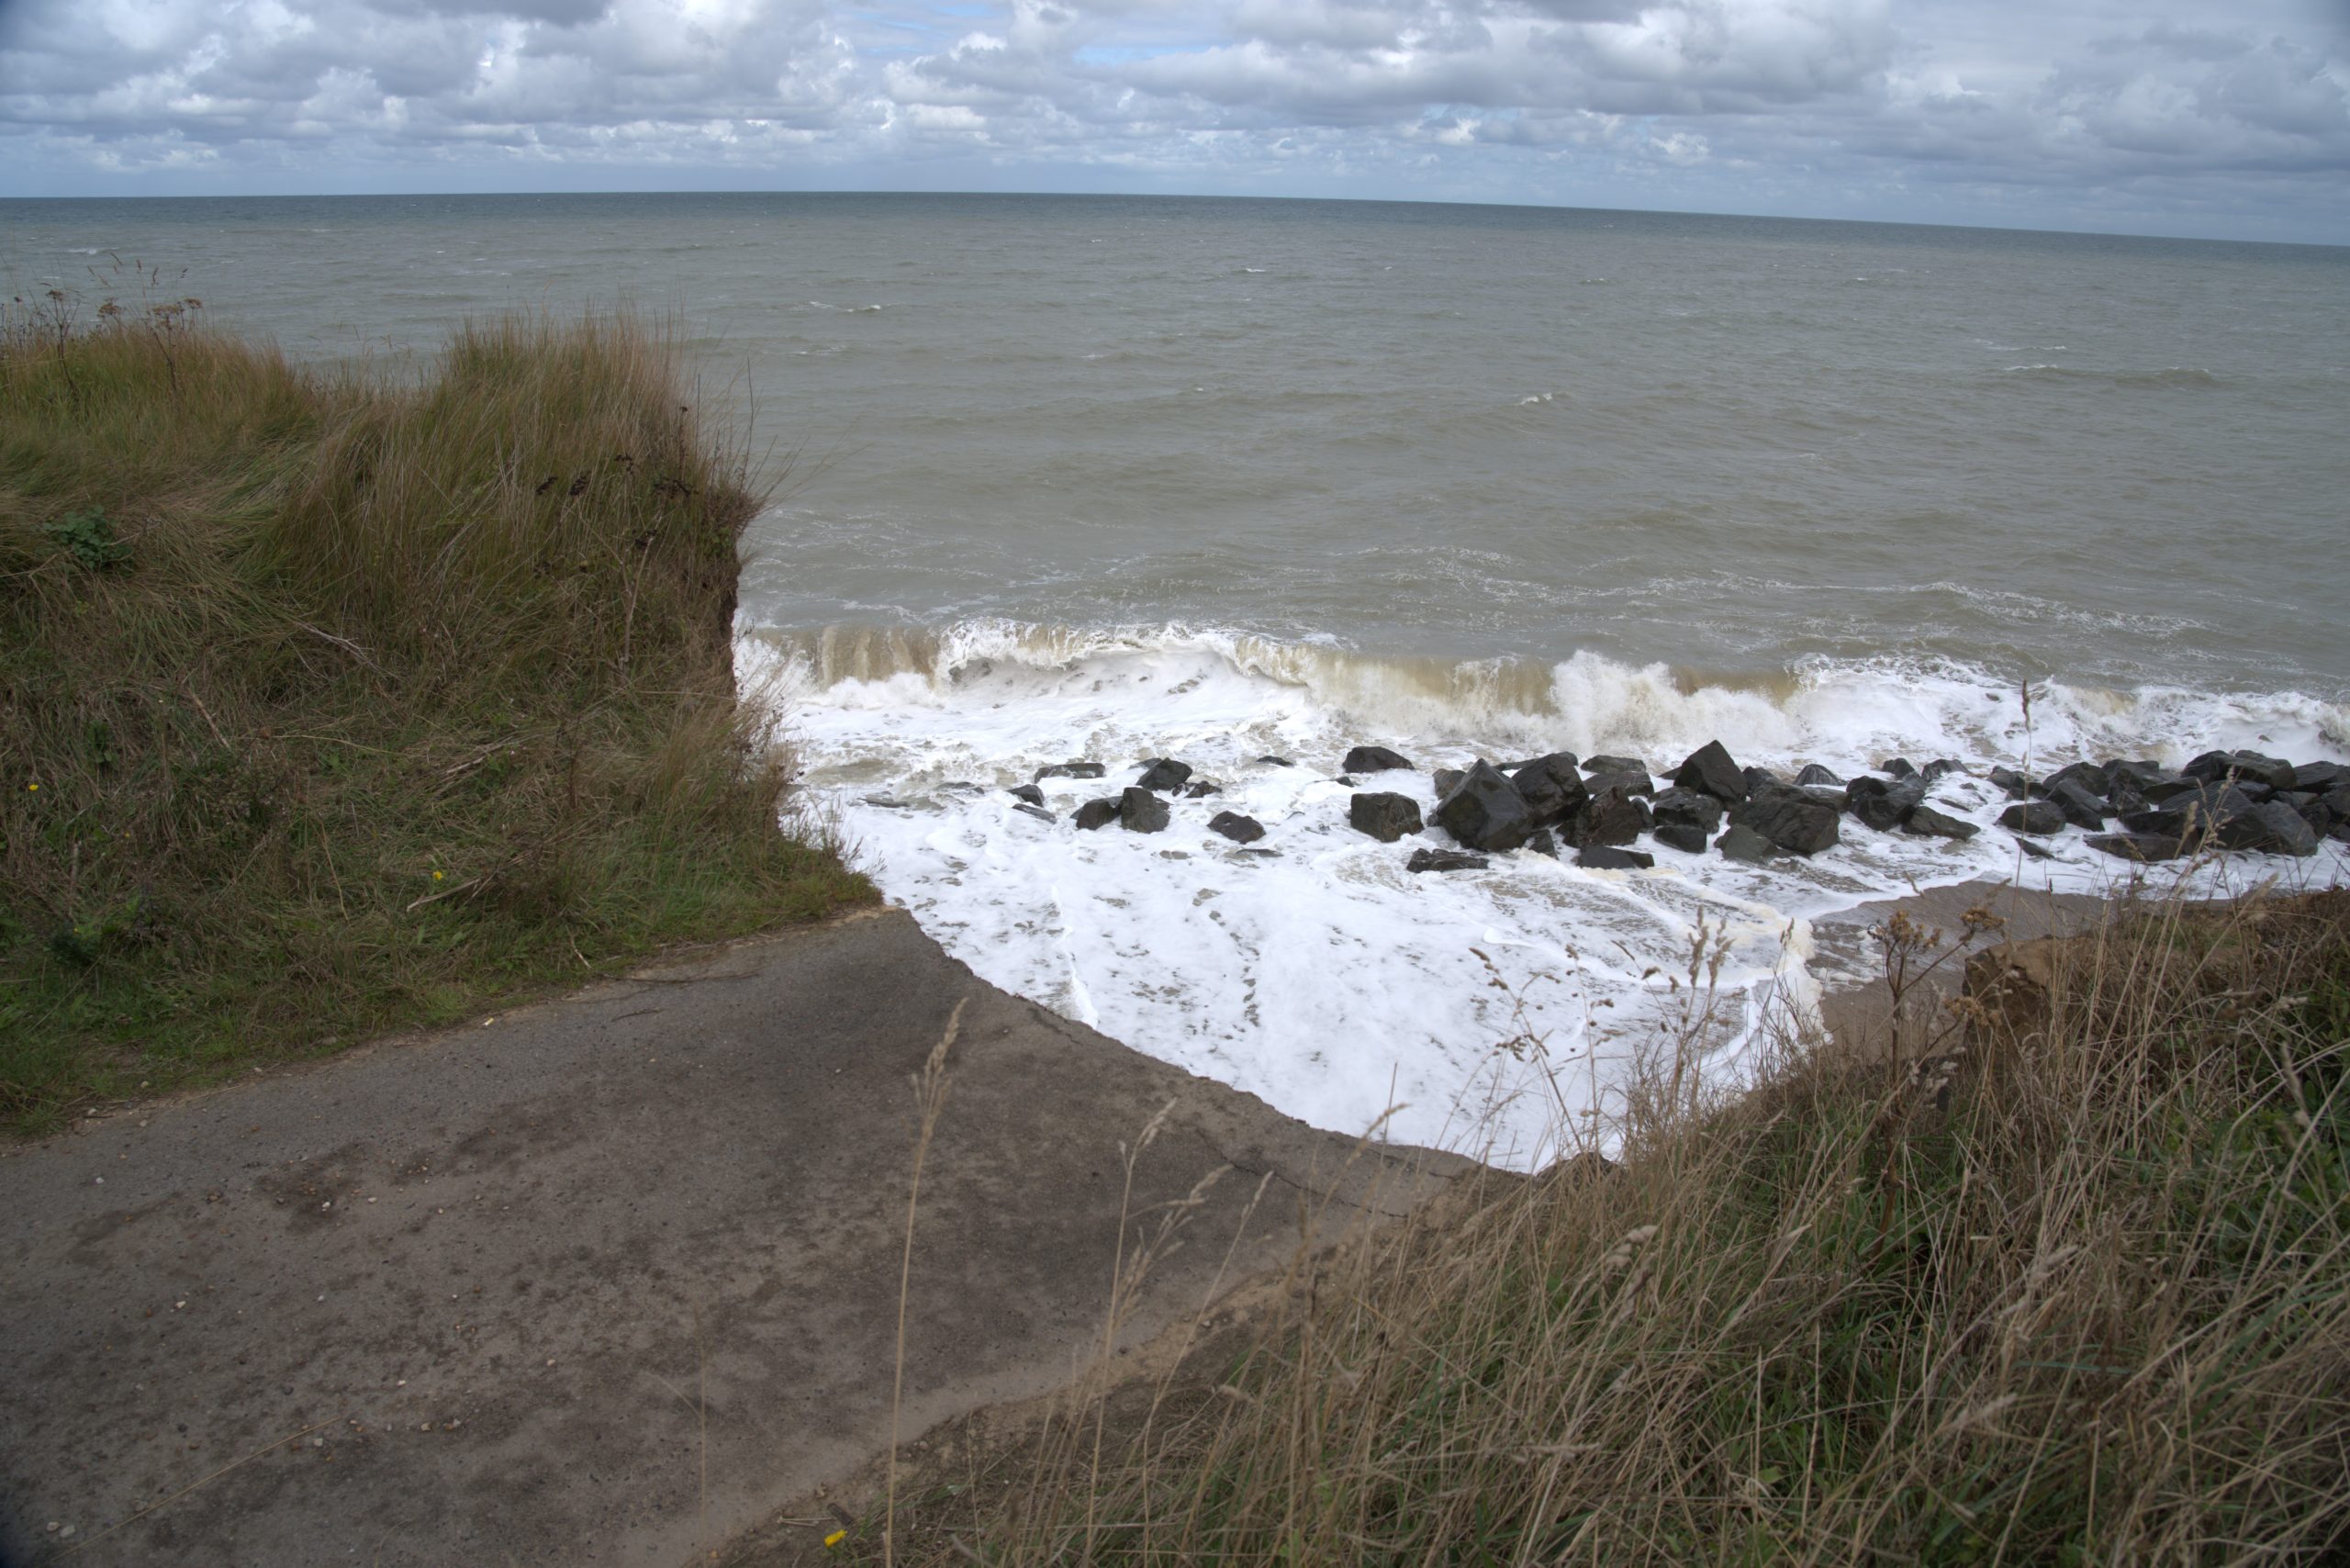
<point x="2161" y="117"/>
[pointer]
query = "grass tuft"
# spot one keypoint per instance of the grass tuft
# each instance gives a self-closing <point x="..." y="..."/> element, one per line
<point x="334" y="703"/>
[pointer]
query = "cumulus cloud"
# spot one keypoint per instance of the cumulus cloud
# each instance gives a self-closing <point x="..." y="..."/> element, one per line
<point x="1855" y="105"/>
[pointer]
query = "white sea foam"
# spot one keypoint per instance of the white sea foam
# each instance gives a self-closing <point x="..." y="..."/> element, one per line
<point x="1323" y="976"/>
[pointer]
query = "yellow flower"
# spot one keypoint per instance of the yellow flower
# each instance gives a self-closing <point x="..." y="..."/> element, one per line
<point x="436" y="876"/>
<point x="33" y="788"/>
<point x="835" y="1539"/>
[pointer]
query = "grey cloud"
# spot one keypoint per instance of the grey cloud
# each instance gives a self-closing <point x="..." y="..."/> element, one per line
<point x="1824" y="103"/>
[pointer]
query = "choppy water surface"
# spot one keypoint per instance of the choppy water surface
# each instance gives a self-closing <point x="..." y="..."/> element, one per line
<point x="1217" y="478"/>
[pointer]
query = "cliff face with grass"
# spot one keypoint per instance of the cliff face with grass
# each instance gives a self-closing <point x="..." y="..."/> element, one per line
<point x="335" y="703"/>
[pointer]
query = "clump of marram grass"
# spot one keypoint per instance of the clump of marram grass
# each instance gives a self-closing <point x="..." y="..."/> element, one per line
<point x="330" y="702"/>
<point x="2078" y="1292"/>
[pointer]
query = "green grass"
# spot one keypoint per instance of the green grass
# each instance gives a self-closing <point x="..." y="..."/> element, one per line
<point x="337" y="703"/>
<point x="2078" y="1294"/>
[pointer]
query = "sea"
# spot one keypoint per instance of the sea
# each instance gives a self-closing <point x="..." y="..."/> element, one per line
<point x="1246" y="483"/>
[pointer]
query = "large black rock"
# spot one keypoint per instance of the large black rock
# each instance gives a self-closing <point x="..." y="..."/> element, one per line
<point x="1691" y="808"/>
<point x="1710" y="769"/>
<point x="2090" y="776"/>
<point x="1069" y="770"/>
<point x="1897" y="767"/>
<point x="1445" y="861"/>
<point x="2249" y="767"/>
<point x="2270" y="827"/>
<point x="1447" y="780"/>
<point x="1814" y="774"/>
<point x="1611" y="816"/>
<point x="1028" y="792"/>
<point x="1745" y="844"/>
<point x="1927" y="823"/>
<point x="2320" y="776"/>
<point x="1163" y="773"/>
<point x="1095" y="813"/>
<point x="1237" y="828"/>
<point x="1550" y="786"/>
<point x="1042" y="816"/>
<point x="1755" y="778"/>
<point x="1632" y="781"/>
<point x="1608" y="857"/>
<point x="1884" y="804"/>
<point x="1614" y="764"/>
<point x="2033" y="816"/>
<point x="2192" y="813"/>
<point x="1486" y="810"/>
<point x="1938" y="766"/>
<point x="1384" y="816"/>
<point x="1688" y="837"/>
<point x="2014" y="783"/>
<point x="1139" y="810"/>
<point x="1373" y="760"/>
<point x="2081" y="808"/>
<point x="1200" y="789"/>
<point x="1790" y="819"/>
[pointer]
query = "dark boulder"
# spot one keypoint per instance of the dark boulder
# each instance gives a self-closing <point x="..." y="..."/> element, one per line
<point x="1632" y="781"/>
<point x="1940" y="766"/>
<point x="1693" y="808"/>
<point x="1710" y="769"/>
<point x="1608" y="857"/>
<point x="2090" y="776"/>
<point x="1275" y="762"/>
<point x="1236" y="827"/>
<point x="1814" y="774"/>
<point x="2033" y="816"/>
<point x="2270" y="827"/>
<point x="1445" y="861"/>
<point x="2337" y="801"/>
<point x="1614" y="764"/>
<point x="1610" y="816"/>
<point x="1042" y="816"/>
<point x="2247" y="766"/>
<point x="2035" y="850"/>
<point x="2081" y="808"/>
<point x="1744" y="844"/>
<point x="2312" y="809"/>
<point x="1897" y="767"/>
<point x="1028" y="792"/>
<point x="2122" y="793"/>
<point x="2320" y="776"/>
<point x="1069" y="770"/>
<point x="1927" y="823"/>
<point x="1884" y="804"/>
<point x="2016" y="785"/>
<point x="1200" y="789"/>
<point x="1373" y="760"/>
<point x="2141" y="773"/>
<point x="1139" y="810"/>
<point x="1544" y="841"/>
<point x="1095" y="813"/>
<point x="1383" y="816"/>
<point x="1687" y="837"/>
<point x="1790" y="819"/>
<point x="1755" y="778"/>
<point x="1486" y="810"/>
<point x="1163" y="773"/>
<point x="2139" y="847"/>
<point x="2192" y="813"/>
<point x="2155" y="791"/>
<point x="1447" y="780"/>
<point x="1551" y="787"/>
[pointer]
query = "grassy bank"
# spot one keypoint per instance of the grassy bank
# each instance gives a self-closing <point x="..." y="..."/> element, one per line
<point x="333" y="703"/>
<point x="2066" y="1281"/>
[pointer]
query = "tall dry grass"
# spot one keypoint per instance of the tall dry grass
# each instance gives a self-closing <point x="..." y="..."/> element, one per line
<point x="2075" y="1291"/>
<point x="330" y="702"/>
